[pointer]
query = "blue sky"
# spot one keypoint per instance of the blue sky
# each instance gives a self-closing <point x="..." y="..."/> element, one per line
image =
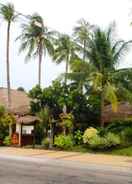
<point x="60" y="15"/>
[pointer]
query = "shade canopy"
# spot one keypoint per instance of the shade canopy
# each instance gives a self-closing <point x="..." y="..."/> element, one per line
<point x="27" y="119"/>
<point x="20" y="102"/>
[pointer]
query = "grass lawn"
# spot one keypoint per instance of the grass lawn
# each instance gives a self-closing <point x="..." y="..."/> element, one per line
<point x="117" y="151"/>
<point x="122" y="151"/>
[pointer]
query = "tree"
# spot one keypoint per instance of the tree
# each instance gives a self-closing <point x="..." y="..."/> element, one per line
<point x="8" y="14"/>
<point x="37" y="40"/>
<point x="84" y="107"/>
<point x="105" y="53"/>
<point x="44" y="116"/>
<point x="82" y="34"/>
<point x="6" y="121"/>
<point x="21" y="89"/>
<point x="65" y="51"/>
<point x="79" y="73"/>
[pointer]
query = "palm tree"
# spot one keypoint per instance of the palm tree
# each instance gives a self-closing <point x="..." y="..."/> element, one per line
<point x="79" y="74"/>
<point x="65" y="51"/>
<point x="82" y="34"/>
<point x="8" y="14"/>
<point x="104" y="54"/>
<point x="37" y="40"/>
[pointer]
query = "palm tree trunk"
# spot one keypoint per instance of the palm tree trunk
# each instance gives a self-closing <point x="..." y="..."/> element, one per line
<point x="102" y="109"/>
<point x="66" y="71"/>
<point x="40" y="63"/>
<point x="8" y="66"/>
<point x="84" y="50"/>
<point x="8" y="74"/>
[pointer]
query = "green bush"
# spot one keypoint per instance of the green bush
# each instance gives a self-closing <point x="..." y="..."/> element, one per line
<point x="112" y="140"/>
<point x="64" y="141"/>
<point x="96" y="140"/>
<point x="89" y="134"/>
<point x="7" y="141"/>
<point x="127" y="135"/>
<point x="118" y="126"/>
<point x="78" y="137"/>
<point x="46" y="142"/>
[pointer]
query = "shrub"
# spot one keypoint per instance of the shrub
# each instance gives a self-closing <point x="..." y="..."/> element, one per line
<point x="118" y="126"/>
<point x="109" y="141"/>
<point x="7" y="141"/>
<point x="96" y="140"/>
<point x="112" y="140"/>
<point x="89" y="134"/>
<point x="46" y="142"/>
<point x="127" y="135"/>
<point x="78" y="137"/>
<point x="64" y="141"/>
<point x="102" y="132"/>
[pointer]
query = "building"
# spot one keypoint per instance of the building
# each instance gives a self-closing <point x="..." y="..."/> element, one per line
<point x="124" y="112"/>
<point x="24" y="125"/>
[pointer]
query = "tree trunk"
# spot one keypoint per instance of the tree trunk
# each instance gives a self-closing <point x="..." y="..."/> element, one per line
<point x="8" y="67"/>
<point x="40" y="63"/>
<point x="84" y="50"/>
<point x="102" y="109"/>
<point x="66" y="71"/>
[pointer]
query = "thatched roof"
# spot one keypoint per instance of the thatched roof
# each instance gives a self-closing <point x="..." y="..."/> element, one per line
<point x="124" y="112"/>
<point x="20" y="102"/>
<point x="28" y="119"/>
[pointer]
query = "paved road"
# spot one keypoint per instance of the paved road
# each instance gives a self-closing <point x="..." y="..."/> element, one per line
<point x="26" y="170"/>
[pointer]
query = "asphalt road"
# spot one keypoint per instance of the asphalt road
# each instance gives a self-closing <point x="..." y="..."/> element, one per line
<point x="24" y="170"/>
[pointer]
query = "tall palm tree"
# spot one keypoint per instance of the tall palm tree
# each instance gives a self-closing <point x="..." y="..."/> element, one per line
<point x="8" y="14"/>
<point x="37" y="40"/>
<point x="104" y="54"/>
<point x="82" y="34"/>
<point x="79" y="74"/>
<point x="65" y="51"/>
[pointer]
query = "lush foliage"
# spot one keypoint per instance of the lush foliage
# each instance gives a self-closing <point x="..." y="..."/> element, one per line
<point x="78" y="137"/>
<point x="7" y="141"/>
<point x="89" y="134"/>
<point x="5" y="120"/>
<point x="92" y="138"/>
<point x="46" y="142"/>
<point x="64" y="141"/>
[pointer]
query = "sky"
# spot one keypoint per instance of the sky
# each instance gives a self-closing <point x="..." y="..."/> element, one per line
<point x="60" y="15"/>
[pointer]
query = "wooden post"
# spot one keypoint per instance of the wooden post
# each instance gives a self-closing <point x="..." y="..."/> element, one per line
<point x="34" y="137"/>
<point x="20" y="135"/>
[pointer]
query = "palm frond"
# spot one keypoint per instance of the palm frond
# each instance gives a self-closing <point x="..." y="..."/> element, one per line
<point x="110" y="96"/>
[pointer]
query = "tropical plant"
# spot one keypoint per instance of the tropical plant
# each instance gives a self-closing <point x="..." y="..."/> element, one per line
<point x="36" y="38"/>
<point x="78" y="137"/>
<point x="7" y="141"/>
<point x="46" y="142"/>
<point x="96" y="141"/>
<point x="89" y="134"/>
<point x="104" y="54"/>
<point x="9" y="15"/>
<point x="65" y="51"/>
<point x="66" y="122"/>
<point x="6" y="121"/>
<point x="82" y="34"/>
<point x="44" y="117"/>
<point x="64" y="141"/>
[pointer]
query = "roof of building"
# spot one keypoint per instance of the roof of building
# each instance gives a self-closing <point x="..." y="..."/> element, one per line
<point x="27" y="119"/>
<point x="124" y="112"/>
<point x="20" y="102"/>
